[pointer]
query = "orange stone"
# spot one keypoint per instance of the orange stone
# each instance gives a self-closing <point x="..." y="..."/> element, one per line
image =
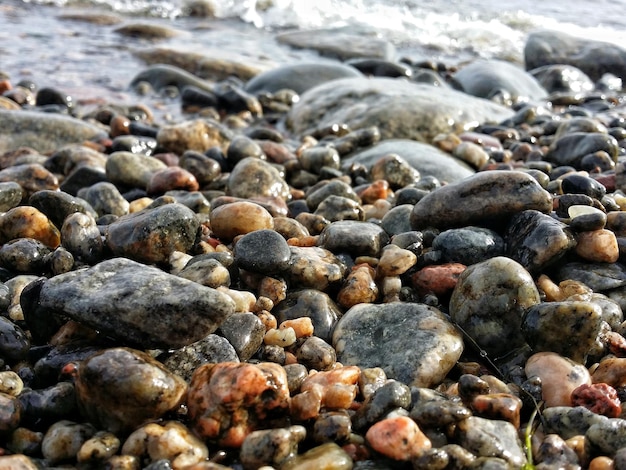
<point x="439" y="279"/>
<point x="598" y="246"/>
<point x="170" y="179"/>
<point x="28" y="222"/>
<point x="398" y="438"/>
<point x="239" y="218"/>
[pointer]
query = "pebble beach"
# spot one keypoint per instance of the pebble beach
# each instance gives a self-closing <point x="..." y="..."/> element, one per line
<point x="342" y="256"/>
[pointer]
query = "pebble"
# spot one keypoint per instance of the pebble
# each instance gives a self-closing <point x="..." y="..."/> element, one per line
<point x="600" y="398"/>
<point x="228" y="401"/>
<point x="536" y="240"/>
<point x="334" y="208"/>
<point x="170" y="179"/>
<point x="81" y="237"/>
<point x="14" y="342"/>
<point x="598" y="246"/>
<point x="359" y="287"/>
<point x="313" y="304"/>
<point x="570" y="149"/>
<point x="395" y="170"/>
<point x="395" y="261"/>
<point x="611" y="371"/>
<point x="184" y="311"/>
<point x="419" y="355"/>
<point x="118" y="389"/>
<point x="10" y="383"/>
<point x="253" y="177"/>
<point x="10" y="195"/>
<point x="169" y="440"/>
<point x="25" y="255"/>
<point x="28" y="222"/>
<point x="559" y="376"/>
<point x="471" y="201"/>
<point x="468" y="245"/>
<point x="314" y="268"/>
<point x="389" y="396"/>
<point x="202" y="167"/>
<point x="272" y="447"/>
<point x="262" y="251"/>
<point x="10" y="413"/>
<point x="64" y="439"/>
<point x="483" y="291"/>
<point x="58" y="205"/>
<point x="131" y="170"/>
<point x="153" y="234"/>
<point x="606" y="437"/>
<point x="245" y="332"/>
<point x="582" y="320"/>
<point x="440" y="279"/>
<point x="396" y="220"/>
<point x="198" y="135"/>
<point x="363" y="238"/>
<point x="208" y="272"/>
<point x="319" y="193"/>
<point x="239" y="218"/>
<point x="328" y="455"/>
<point x="317" y="354"/>
<point x="398" y="438"/>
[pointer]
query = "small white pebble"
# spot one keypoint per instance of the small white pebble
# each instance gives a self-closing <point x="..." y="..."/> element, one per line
<point x="579" y="209"/>
<point x="11" y="383"/>
<point x="101" y="446"/>
<point x="285" y="337"/>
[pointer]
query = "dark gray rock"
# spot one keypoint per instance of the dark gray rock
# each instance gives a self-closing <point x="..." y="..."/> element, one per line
<point x="314" y="267"/>
<point x="399" y="109"/>
<point x="48" y="405"/>
<point x="14" y="343"/>
<point x="390" y="396"/>
<point x="319" y="193"/>
<point x="253" y="177"/>
<point x="595" y="58"/>
<point x="245" y="331"/>
<point x="162" y="75"/>
<point x="105" y="198"/>
<point x="117" y="297"/>
<point x="334" y="208"/>
<point x="57" y="205"/>
<point x="489" y="302"/>
<point x="318" y="306"/>
<point x="486" y="199"/>
<point x="426" y="159"/>
<point x="421" y="346"/>
<point x="356" y="238"/>
<point x="606" y="437"/>
<point x="468" y="245"/>
<point x="536" y="240"/>
<point x="486" y="78"/>
<point x="24" y="255"/>
<point x="10" y="195"/>
<point x="491" y="438"/>
<point x="152" y="235"/>
<point x="263" y="251"/>
<point x="543" y="327"/>
<point x="562" y="78"/>
<point x="570" y="149"/>
<point x="599" y="277"/>
<point x="299" y="77"/>
<point x="397" y="220"/>
<point x="44" y="132"/>
<point x="186" y="360"/>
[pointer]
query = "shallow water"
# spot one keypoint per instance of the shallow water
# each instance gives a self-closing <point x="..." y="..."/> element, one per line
<point x="90" y="61"/>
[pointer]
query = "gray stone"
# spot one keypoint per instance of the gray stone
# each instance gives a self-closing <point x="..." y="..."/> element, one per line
<point x="391" y="395"/>
<point x="186" y="360"/>
<point x="400" y="109"/>
<point x="44" y="132"/>
<point x="420" y="345"/>
<point x="253" y="177"/>
<point x="486" y="78"/>
<point x="14" y="343"/>
<point x="245" y="331"/>
<point x="10" y="195"/>
<point x="354" y="237"/>
<point x="486" y="199"/>
<point x="152" y="235"/>
<point x="334" y="208"/>
<point x="132" y="170"/>
<point x="319" y="193"/>
<point x="468" y="245"/>
<point x="562" y="78"/>
<point x="595" y="58"/>
<point x="426" y="159"/>
<point x="397" y="220"/>
<point x="599" y="277"/>
<point x="314" y="267"/>
<point x="568" y="422"/>
<point x="570" y="149"/>
<point x="489" y="301"/>
<point x="137" y="304"/>
<point x="536" y="240"/>
<point x="491" y="438"/>
<point x="299" y="77"/>
<point x="57" y="205"/>
<point x="271" y="447"/>
<point x="606" y="437"/>
<point x="338" y="44"/>
<point x="105" y="198"/>
<point x="543" y="326"/>
<point x="263" y="251"/>
<point x="81" y="237"/>
<point x="316" y="305"/>
<point x="24" y="255"/>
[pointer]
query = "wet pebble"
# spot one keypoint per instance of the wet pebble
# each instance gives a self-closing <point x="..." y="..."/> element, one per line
<point x="120" y="388"/>
<point x="28" y="222"/>
<point x="398" y="438"/>
<point x="99" y="447"/>
<point x="598" y="246"/>
<point x="211" y="348"/>
<point x="543" y="323"/>
<point x="317" y="354"/>
<point x="559" y="377"/>
<point x="483" y="292"/>
<point x="468" y="245"/>
<point x="606" y="437"/>
<point x="438" y="279"/>
<point x="228" y="401"/>
<point x="152" y="235"/>
<point x="359" y="287"/>
<point x="105" y="198"/>
<point x="536" y="240"/>
<point x="131" y="170"/>
<point x="25" y="255"/>
<point x="170" y="440"/>
<point x="245" y="332"/>
<point x="31" y="177"/>
<point x="10" y="383"/>
<point x="45" y="406"/>
<point x="10" y="195"/>
<point x="170" y="179"/>
<point x="600" y="398"/>
<point x="395" y="170"/>
<point x="14" y="342"/>
<point x="586" y="218"/>
<point x="202" y="167"/>
<point x="569" y="149"/>
<point x="358" y="238"/>
<point x="272" y="447"/>
<point x="389" y="396"/>
<point x="239" y="218"/>
<point x="314" y="267"/>
<point x="420" y="355"/>
<point x="395" y="261"/>
<point x="612" y="371"/>
<point x="335" y="208"/>
<point x="81" y="237"/>
<point x="328" y="455"/>
<point x="10" y="413"/>
<point x="252" y="177"/>
<point x="263" y="251"/>
<point x="64" y="439"/>
<point x="198" y="135"/>
<point x="184" y="312"/>
<point x="58" y="205"/>
<point x="396" y="219"/>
